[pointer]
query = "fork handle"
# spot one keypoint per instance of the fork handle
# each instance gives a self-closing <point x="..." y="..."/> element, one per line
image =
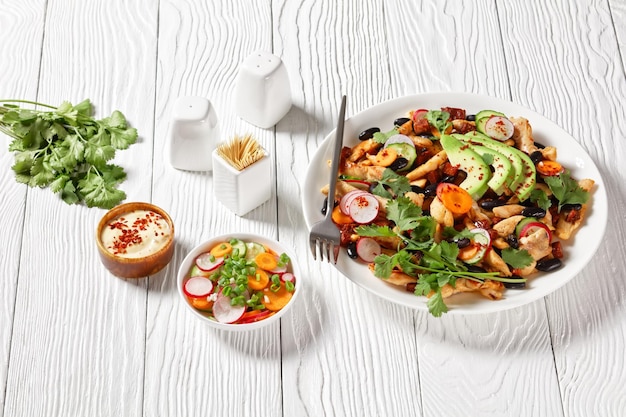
<point x="334" y="167"/>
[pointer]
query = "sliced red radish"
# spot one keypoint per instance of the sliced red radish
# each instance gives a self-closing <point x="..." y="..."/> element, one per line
<point x="419" y="114"/>
<point x="532" y="227"/>
<point x="399" y="138"/>
<point x="345" y="201"/>
<point x="208" y="262"/>
<point x="368" y="249"/>
<point x="363" y="208"/>
<point x="499" y="128"/>
<point x="224" y="312"/>
<point x="360" y="184"/>
<point x="279" y="270"/>
<point x="196" y="287"/>
<point x="288" y="277"/>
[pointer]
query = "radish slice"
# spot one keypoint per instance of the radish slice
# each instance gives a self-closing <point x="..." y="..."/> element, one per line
<point x="196" y="287"/>
<point x="279" y="270"/>
<point x="360" y="184"/>
<point x="499" y="128"/>
<point x="419" y="114"/>
<point x="208" y="262"/>
<point x="399" y="139"/>
<point x="345" y="201"/>
<point x="224" y="312"/>
<point x="532" y="227"/>
<point x="363" y="208"/>
<point x="288" y="276"/>
<point x="368" y="249"/>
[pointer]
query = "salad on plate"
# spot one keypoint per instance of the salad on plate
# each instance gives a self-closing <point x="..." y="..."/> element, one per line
<point x="450" y="202"/>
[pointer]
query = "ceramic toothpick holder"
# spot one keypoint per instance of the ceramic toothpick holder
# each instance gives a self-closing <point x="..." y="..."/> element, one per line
<point x="241" y="191"/>
<point x="262" y="92"/>
<point x="193" y="134"/>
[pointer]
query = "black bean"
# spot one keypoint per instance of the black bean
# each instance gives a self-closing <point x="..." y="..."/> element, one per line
<point x="515" y="285"/>
<point x="448" y="178"/>
<point x="512" y="241"/>
<point x="400" y="121"/>
<point x="417" y="189"/>
<point x="351" y="249"/>
<point x="399" y="164"/>
<point x="489" y="204"/>
<point x="463" y="242"/>
<point x="474" y="268"/>
<point x="540" y="145"/>
<point x="537" y="212"/>
<point x="536" y="157"/>
<point x="568" y="207"/>
<point x="547" y="265"/>
<point x="368" y="133"/>
<point x="430" y="190"/>
<point x="325" y="206"/>
<point x="470" y="117"/>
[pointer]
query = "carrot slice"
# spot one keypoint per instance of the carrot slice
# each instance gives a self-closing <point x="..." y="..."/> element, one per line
<point x="549" y="168"/>
<point x="221" y="249"/>
<point x="340" y="218"/>
<point x="276" y="300"/>
<point x="454" y="198"/>
<point x="201" y="303"/>
<point x="259" y="280"/>
<point x="266" y="261"/>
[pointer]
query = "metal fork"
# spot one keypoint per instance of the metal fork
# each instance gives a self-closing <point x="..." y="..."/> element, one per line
<point x="324" y="234"/>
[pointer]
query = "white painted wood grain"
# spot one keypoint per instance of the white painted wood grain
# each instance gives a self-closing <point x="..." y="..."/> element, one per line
<point x="191" y="369"/>
<point x="583" y="90"/>
<point x="480" y="361"/>
<point x="345" y="352"/>
<point x="21" y="31"/>
<point x="78" y="334"/>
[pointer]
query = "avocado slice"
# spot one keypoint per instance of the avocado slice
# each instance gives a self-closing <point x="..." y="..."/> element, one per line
<point x="503" y="172"/>
<point x="525" y="172"/>
<point x="462" y="155"/>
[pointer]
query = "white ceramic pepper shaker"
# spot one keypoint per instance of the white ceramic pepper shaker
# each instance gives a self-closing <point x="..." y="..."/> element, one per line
<point x="262" y="93"/>
<point x="193" y="134"/>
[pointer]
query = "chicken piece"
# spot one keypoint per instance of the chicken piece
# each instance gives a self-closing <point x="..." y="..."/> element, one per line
<point x="508" y="210"/>
<point x="507" y="226"/>
<point x="490" y="289"/>
<point x="396" y="277"/>
<point x="493" y="262"/>
<point x="367" y="172"/>
<point x="463" y="126"/>
<point x="421" y="141"/>
<point x="416" y="198"/>
<point x="567" y="225"/>
<point x="478" y="215"/>
<point x="364" y="147"/>
<point x="549" y="153"/>
<point x="432" y="164"/>
<point x="440" y="213"/>
<point x="537" y="244"/>
<point x="523" y="135"/>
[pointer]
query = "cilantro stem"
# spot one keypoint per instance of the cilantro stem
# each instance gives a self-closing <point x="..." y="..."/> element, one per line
<point x="27" y="102"/>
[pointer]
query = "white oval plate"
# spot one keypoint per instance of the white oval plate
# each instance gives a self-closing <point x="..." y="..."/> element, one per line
<point x="578" y="251"/>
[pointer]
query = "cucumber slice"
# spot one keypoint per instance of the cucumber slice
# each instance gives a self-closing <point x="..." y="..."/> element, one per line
<point x="522" y="223"/>
<point x="406" y="151"/>
<point x="239" y="246"/>
<point x="253" y="249"/>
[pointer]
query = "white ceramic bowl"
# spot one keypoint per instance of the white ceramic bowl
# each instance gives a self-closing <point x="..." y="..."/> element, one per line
<point x="276" y="246"/>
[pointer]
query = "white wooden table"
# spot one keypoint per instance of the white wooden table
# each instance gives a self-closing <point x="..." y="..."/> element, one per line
<point x="76" y="341"/>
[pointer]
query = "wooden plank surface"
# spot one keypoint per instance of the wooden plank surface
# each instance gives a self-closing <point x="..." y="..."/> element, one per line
<point x="76" y="341"/>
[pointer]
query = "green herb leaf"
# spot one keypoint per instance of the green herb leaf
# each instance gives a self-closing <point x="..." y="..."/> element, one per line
<point x="517" y="258"/>
<point x="436" y="305"/>
<point x="540" y="198"/>
<point x="381" y="137"/>
<point x="398" y="184"/>
<point x="566" y="189"/>
<point x="439" y="120"/>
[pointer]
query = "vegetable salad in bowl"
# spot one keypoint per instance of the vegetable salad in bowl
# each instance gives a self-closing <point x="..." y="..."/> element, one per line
<point x="239" y="281"/>
<point x="449" y="202"/>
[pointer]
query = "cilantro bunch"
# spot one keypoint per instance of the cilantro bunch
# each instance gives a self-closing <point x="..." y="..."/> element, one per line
<point x="66" y="149"/>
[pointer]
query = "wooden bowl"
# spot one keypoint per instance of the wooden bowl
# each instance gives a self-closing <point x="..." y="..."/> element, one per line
<point x="125" y="265"/>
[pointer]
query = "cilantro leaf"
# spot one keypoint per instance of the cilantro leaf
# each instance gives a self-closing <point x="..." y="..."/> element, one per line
<point x="566" y="189"/>
<point x="404" y="213"/>
<point x="517" y="258"/>
<point x="439" y="120"/>
<point x="399" y="184"/>
<point x="540" y="198"/>
<point x="436" y="305"/>
<point x="380" y="137"/>
<point x="374" y="231"/>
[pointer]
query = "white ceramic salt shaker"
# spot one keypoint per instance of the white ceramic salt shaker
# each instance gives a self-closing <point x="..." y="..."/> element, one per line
<point x="193" y="135"/>
<point x="262" y="92"/>
<point x="241" y="191"/>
